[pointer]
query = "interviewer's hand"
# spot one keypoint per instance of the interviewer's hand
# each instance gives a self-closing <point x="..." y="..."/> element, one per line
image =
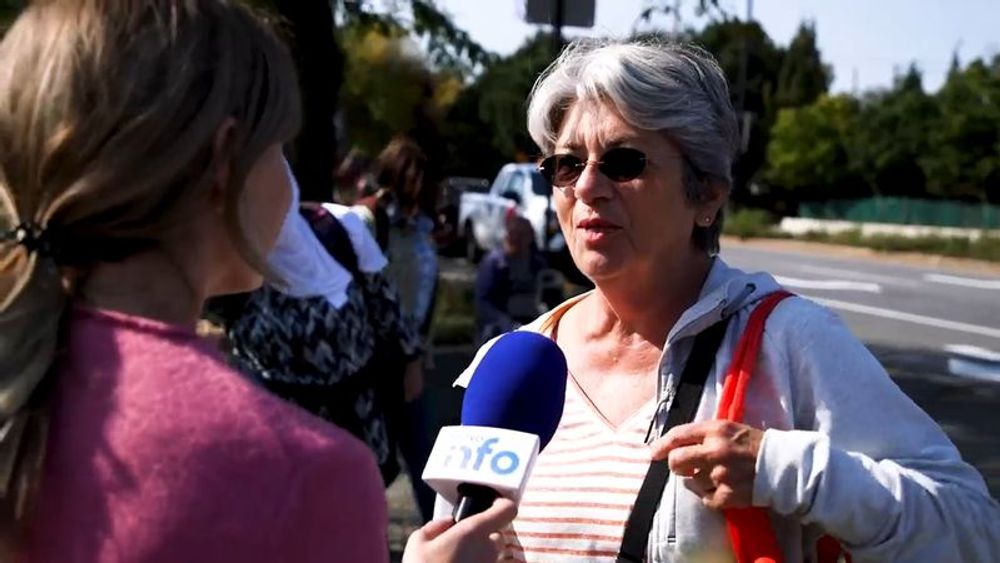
<point x="718" y="457"/>
<point x="473" y="540"/>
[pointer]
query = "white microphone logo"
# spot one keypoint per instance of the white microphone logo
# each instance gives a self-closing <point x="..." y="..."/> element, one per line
<point x="503" y="462"/>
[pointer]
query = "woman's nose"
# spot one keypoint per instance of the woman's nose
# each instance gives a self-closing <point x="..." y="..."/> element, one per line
<point x="592" y="185"/>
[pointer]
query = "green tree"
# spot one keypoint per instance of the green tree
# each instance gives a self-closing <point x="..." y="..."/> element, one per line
<point x="963" y="156"/>
<point x="415" y="85"/>
<point x="892" y="136"/>
<point x="488" y="124"/>
<point x="803" y="76"/>
<point x="728" y="40"/>
<point x="390" y="88"/>
<point x="809" y="154"/>
<point x="670" y="8"/>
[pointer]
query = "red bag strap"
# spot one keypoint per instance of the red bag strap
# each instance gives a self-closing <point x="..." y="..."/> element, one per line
<point x="750" y="531"/>
<point x="731" y="404"/>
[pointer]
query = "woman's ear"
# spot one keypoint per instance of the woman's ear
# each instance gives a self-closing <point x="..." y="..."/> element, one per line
<point x="222" y="152"/>
<point x="708" y="210"/>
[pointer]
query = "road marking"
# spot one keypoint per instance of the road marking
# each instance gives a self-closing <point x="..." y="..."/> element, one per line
<point x="965" y="282"/>
<point x="974" y="370"/>
<point x="825" y="271"/>
<point x="831" y="285"/>
<point x="974" y="352"/>
<point x="909" y="317"/>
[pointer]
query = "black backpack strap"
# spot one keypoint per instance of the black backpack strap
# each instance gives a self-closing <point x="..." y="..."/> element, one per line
<point x="682" y="410"/>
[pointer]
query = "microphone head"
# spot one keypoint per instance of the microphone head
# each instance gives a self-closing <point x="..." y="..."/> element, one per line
<point x="520" y="384"/>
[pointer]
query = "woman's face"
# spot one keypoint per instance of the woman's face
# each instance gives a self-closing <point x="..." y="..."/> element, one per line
<point x="618" y="229"/>
<point x="263" y="208"/>
<point x="520" y="236"/>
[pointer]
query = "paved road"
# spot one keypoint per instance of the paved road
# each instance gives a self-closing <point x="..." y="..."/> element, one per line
<point x="925" y="309"/>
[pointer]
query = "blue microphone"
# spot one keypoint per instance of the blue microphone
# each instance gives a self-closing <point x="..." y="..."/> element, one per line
<point x="511" y="410"/>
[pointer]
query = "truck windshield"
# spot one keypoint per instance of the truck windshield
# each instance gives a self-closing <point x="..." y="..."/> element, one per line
<point x="539" y="185"/>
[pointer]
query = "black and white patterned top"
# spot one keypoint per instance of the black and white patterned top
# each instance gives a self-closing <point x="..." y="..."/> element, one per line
<point x="342" y="364"/>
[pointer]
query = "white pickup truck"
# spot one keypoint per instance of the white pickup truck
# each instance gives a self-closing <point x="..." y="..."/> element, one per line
<point x="481" y="215"/>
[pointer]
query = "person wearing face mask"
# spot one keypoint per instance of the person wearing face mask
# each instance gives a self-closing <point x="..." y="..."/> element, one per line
<point x="328" y="334"/>
<point x="141" y="172"/>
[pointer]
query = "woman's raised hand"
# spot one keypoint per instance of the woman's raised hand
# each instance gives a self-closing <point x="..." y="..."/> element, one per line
<point x="718" y="457"/>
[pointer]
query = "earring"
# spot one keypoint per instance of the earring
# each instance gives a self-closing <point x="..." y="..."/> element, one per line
<point x="706" y="220"/>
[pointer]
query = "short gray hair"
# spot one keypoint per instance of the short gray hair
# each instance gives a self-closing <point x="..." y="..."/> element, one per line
<point x="658" y="86"/>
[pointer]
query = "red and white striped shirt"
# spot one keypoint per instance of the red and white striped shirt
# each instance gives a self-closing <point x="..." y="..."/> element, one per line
<point x="582" y="487"/>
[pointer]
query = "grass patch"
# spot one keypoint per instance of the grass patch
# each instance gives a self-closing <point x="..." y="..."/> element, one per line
<point x="454" y="299"/>
<point x="454" y="314"/>
<point x="984" y="248"/>
<point x="751" y="223"/>
<point x="454" y="330"/>
<point x="757" y="223"/>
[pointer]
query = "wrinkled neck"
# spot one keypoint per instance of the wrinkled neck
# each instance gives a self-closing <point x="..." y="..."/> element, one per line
<point x="650" y="304"/>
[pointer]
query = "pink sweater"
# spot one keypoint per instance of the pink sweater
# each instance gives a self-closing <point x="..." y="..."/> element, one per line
<point x="159" y="452"/>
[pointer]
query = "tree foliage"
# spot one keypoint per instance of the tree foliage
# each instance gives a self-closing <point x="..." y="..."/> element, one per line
<point x="901" y="141"/>
<point x="447" y="46"/>
<point x="892" y="135"/>
<point x="487" y="126"/>
<point x="803" y="77"/>
<point x="962" y="159"/>
<point x="810" y="148"/>
<point x="403" y="66"/>
<point x="389" y="87"/>
<point x="728" y="40"/>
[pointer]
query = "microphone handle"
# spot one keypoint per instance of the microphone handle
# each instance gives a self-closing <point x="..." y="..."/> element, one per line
<point x="473" y="499"/>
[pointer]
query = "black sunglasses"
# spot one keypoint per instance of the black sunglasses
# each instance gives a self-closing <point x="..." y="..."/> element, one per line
<point x="619" y="164"/>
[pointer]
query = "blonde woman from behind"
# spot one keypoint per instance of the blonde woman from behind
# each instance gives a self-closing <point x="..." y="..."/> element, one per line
<point x="141" y="172"/>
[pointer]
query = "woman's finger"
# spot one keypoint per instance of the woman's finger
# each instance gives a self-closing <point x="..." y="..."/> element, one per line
<point x="680" y="436"/>
<point x="688" y="459"/>
<point x="720" y="498"/>
<point x="700" y="484"/>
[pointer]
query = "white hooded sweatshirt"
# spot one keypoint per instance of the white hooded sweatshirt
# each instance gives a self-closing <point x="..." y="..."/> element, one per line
<point x="845" y="451"/>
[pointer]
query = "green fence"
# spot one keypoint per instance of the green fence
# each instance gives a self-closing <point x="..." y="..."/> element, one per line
<point x="905" y="211"/>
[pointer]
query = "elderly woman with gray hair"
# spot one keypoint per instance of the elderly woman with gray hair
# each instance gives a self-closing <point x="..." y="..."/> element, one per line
<point x="818" y="454"/>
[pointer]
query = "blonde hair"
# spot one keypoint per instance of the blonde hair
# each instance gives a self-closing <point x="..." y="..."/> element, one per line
<point x="109" y="112"/>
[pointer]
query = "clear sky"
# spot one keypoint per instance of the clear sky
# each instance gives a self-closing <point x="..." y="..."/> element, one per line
<point x="864" y="40"/>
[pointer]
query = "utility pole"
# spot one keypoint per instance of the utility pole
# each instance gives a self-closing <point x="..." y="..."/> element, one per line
<point x="741" y="89"/>
<point x="558" y="18"/>
<point x="677" y="18"/>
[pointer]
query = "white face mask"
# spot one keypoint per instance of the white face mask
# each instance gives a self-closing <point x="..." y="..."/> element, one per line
<point x="302" y="262"/>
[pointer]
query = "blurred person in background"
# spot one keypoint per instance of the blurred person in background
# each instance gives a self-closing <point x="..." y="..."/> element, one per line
<point x="828" y="455"/>
<point x="330" y="336"/>
<point x="141" y="172"/>
<point x="410" y="199"/>
<point x="508" y="282"/>
<point x="353" y="180"/>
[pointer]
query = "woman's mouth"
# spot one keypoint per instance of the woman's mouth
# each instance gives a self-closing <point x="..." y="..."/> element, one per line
<point x="596" y="230"/>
